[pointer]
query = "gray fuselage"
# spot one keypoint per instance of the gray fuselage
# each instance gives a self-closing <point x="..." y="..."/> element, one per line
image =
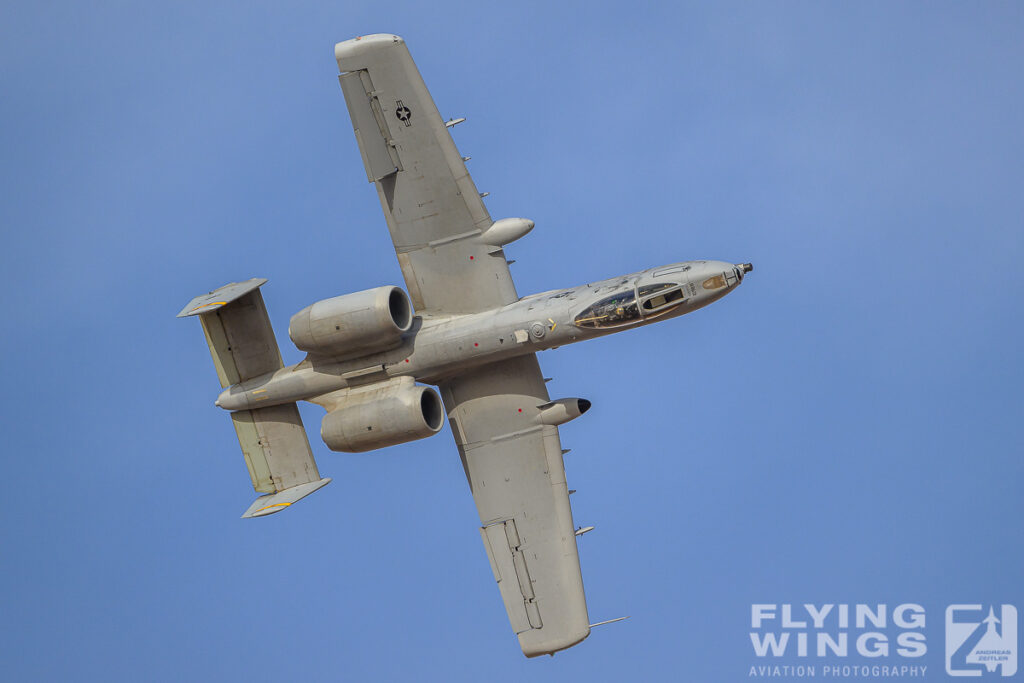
<point x="440" y="346"/>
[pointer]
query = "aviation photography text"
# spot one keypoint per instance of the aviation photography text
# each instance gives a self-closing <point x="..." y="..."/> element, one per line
<point x="838" y="641"/>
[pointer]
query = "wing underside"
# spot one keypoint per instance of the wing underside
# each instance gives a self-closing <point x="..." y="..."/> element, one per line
<point x="515" y="471"/>
<point x="432" y="206"/>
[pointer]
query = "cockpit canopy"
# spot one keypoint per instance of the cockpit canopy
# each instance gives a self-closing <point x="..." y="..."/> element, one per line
<point x="613" y="311"/>
<point x="622" y="308"/>
<point x="659" y="296"/>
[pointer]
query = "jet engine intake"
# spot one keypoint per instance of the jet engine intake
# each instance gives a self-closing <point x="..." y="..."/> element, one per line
<point x="375" y="416"/>
<point x="353" y="325"/>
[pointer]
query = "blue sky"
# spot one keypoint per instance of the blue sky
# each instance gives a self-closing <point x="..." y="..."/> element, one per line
<point x="845" y="428"/>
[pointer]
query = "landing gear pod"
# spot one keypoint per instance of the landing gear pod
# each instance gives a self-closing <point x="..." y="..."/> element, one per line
<point x="561" y="411"/>
<point x="505" y="231"/>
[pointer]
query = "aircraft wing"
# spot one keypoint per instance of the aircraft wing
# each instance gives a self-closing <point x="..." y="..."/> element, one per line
<point x="432" y="206"/>
<point x="515" y="471"/>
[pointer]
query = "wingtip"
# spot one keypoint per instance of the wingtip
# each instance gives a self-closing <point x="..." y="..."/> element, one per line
<point x="361" y="45"/>
<point x="552" y="645"/>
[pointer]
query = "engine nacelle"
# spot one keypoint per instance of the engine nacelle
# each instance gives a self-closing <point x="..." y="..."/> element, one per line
<point x="353" y="325"/>
<point x="377" y="416"/>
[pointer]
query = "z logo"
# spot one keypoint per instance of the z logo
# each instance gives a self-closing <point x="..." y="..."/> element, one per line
<point x="976" y="644"/>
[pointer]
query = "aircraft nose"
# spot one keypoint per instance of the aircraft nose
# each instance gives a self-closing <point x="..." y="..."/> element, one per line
<point x="733" y="273"/>
<point x="715" y="279"/>
<point x="742" y="269"/>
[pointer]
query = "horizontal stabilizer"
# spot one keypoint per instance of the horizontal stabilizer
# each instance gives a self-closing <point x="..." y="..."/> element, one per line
<point x="207" y="303"/>
<point x="238" y="331"/>
<point x="273" y="439"/>
<point x="275" y="502"/>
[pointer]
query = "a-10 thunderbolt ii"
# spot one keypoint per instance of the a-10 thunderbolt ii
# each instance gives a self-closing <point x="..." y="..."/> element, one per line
<point x="462" y="327"/>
